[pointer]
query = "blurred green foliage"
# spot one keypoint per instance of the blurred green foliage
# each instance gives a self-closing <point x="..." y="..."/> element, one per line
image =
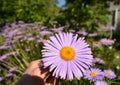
<point x="85" y="14"/>
<point x="27" y="10"/>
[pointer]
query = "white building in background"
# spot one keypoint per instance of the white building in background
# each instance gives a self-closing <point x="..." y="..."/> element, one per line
<point x="115" y="18"/>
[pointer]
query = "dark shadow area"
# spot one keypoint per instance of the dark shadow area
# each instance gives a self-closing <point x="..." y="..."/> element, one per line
<point x="30" y="80"/>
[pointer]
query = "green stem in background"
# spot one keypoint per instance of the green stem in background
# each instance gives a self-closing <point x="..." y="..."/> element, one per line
<point x="111" y="34"/>
<point x="23" y="59"/>
<point x="16" y="58"/>
<point x="8" y="66"/>
<point x="23" y="55"/>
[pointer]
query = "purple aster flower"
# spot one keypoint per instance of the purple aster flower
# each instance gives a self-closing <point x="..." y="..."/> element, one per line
<point x="39" y="40"/>
<point x="21" y="33"/>
<point x="45" y="32"/>
<point x="84" y="33"/>
<point x="31" y="39"/>
<point x="8" y="42"/>
<point x="60" y="29"/>
<point x="13" y="32"/>
<point x="53" y="22"/>
<point x="3" y="47"/>
<point x="44" y="28"/>
<point x="12" y="69"/>
<point x="29" y="35"/>
<point x="97" y="44"/>
<point x="101" y="83"/>
<point x="92" y="35"/>
<point x="16" y="38"/>
<point x="42" y="40"/>
<point x="98" y="60"/>
<point x="106" y="41"/>
<point x="72" y="30"/>
<point x="109" y="28"/>
<point x="21" y="22"/>
<point x="14" y="25"/>
<point x="39" y="23"/>
<point x="12" y="53"/>
<point x="3" y="57"/>
<point x="27" y="49"/>
<point x="4" y="35"/>
<point x="94" y="74"/>
<point x="30" y="25"/>
<point x="109" y="74"/>
<point x="66" y="55"/>
<point x="8" y="75"/>
<point x="1" y="78"/>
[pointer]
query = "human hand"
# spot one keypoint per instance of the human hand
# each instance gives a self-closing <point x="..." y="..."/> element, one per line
<point x="35" y="74"/>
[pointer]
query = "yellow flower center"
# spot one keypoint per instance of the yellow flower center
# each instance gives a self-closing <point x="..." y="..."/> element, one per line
<point x="44" y="40"/>
<point x="106" y="41"/>
<point x="67" y="53"/>
<point x="108" y="74"/>
<point x="93" y="74"/>
<point x="44" y="32"/>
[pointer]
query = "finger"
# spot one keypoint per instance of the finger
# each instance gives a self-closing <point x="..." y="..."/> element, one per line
<point x="40" y="73"/>
<point x="51" y="81"/>
<point x="44" y="72"/>
<point x="33" y="65"/>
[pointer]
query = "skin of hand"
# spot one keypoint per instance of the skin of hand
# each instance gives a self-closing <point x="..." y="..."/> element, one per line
<point x="35" y="74"/>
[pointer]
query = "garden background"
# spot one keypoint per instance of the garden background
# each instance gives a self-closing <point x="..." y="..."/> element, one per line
<point x="26" y="24"/>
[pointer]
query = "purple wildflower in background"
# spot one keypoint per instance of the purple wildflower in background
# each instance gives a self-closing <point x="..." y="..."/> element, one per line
<point x="30" y="25"/>
<point x="41" y="40"/>
<point x="44" y="28"/>
<point x="72" y="30"/>
<point x="27" y="49"/>
<point x="38" y="36"/>
<point x="109" y="74"/>
<point x="97" y="44"/>
<point x="29" y="35"/>
<point x="101" y="83"/>
<point x="8" y="75"/>
<point x="21" y="22"/>
<point x="94" y="74"/>
<point x="39" y="23"/>
<point x="4" y="35"/>
<point x="16" y="38"/>
<point x="98" y="61"/>
<point x="84" y="33"/>
<point x="92" y="35"/>
<point x="60" y="29"/>
<point x="45" y="32"/>
<point x="14" y="25"/>
<point x="20" y="33"/>
<point x="108" y="28"/>
<point x="13" y="32"/>
<point x="1" y="78"/>
<point x="13" y="69"/>
<point x="66" y="55"/>
<point x="12" y="53"/>
<point x="3" y="47"/>
<point x="8" y="42"/>
<point x="54" y="22"/>
<point x="31" y="39"/>
<point x="3" y="57"/>
<point x="106" y="41"/>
